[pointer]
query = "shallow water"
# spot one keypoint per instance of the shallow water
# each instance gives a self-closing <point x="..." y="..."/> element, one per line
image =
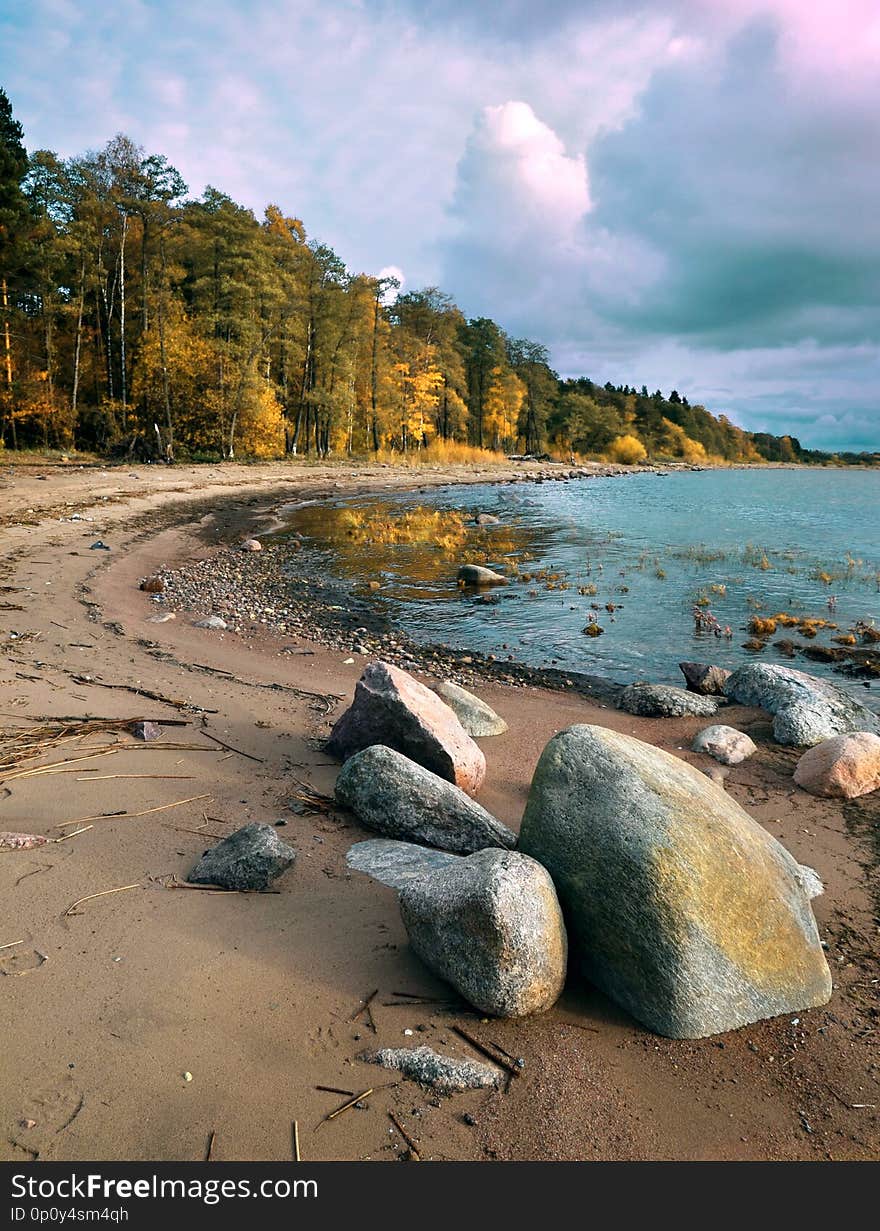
<point x="745" y="542"/>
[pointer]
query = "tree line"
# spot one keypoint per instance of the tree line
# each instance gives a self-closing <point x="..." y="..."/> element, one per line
<point x="137" y="321"/>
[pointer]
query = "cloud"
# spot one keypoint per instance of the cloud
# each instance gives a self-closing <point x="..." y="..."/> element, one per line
<point x="680" y="192"/>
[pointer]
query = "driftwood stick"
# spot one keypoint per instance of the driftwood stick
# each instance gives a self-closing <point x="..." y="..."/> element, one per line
<point x="413" y="1148"/>
<point x="116" y="816"/>
<point x="229" y="747"/>
<point x="365" y="1004"/>
<point x="345" y="1106"/>
<point x="480" y="1047"/>
<point x="209" y="1153"/>
<point x="296" y="1153"/>
<point x="103" y="894"/>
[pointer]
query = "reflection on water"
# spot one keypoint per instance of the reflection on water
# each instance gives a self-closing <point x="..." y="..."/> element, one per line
<point x="775" y="556"/>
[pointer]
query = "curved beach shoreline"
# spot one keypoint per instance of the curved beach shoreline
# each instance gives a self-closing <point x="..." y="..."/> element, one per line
<point x="253" y="995"/>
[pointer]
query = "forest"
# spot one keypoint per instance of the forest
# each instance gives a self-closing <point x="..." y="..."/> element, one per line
<point x="137" y="322"/>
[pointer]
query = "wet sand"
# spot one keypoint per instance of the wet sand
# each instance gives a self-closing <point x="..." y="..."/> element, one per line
<point x="253" y="995"/>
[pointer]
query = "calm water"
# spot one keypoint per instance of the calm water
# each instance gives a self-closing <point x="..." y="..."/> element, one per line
<point x="744" y="542"/>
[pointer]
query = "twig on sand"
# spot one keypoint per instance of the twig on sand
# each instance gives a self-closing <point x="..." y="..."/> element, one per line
<point x="65" y="836"/>
<point x="11" y="944"/>
<point x="296" y="1153"/>
<point x="413" y="1148"/>
<point x="365" y="1004"/>
<point x="229" y="747"/>
<point x="336" y="1090"/>
<point x="210" y="1150"/>
<point x="116" y="816"/>
<point x="67" y="1123"/>
<point x="103" y="894"/>
<point x="92" y="682"/>
<point x="172" y="882"/>
<point x="108" y="777"/>
<point x="481" y="1047"/>
<point x="345" y="1107"/>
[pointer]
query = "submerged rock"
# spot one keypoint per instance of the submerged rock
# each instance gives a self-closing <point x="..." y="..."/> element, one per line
<point x="445" y="1074"/>
<point x="393" y="795"/>
<point x="477" y="718"/>
<point x="250" y="858"/>
<point x="491" y="926"/>
<point x="397" y="864"/>
<point x="806" y="710"/>
<point x="476" y="575"/>
<point x="844" y="767"/>
<point x="704" y="679"/>
<point x="725" y="744"/>
<point x="664" y="701"/>
<point x="682" y="908"/>
<point x="487" y="519"/>
<point x="392" y="708"/>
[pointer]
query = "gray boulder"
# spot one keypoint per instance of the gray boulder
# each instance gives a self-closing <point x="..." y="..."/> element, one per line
<point x="390" y="707"/>
<point x="491" y="926"/>
<point x="477" y="718"/>
<point x="704" y="679"/>
<point x="682" y="908"/>
<point x="805" y="710"/>
<point x="397" y="864"/>
<point x="725" y="744"/>
<point x="213" y="621"/>
<point x="476" y="575"/>
<point x="664" y="701"/>
<point x="393" y="795"/>
<point x="251" y="858"/>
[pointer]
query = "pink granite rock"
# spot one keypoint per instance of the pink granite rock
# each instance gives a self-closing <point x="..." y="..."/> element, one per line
<point x="392" y="708"/>
<point x="843" y="767"/>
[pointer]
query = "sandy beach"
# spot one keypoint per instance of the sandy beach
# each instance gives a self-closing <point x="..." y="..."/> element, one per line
<point x="109" y="1006"/>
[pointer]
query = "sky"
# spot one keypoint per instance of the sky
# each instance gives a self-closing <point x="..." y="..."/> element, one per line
<point x="678" y="193"/>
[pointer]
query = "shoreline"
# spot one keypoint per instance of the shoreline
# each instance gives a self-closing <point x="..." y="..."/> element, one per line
<point x="254" y="995"/>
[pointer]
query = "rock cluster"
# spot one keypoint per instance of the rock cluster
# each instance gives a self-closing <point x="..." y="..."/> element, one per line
<point x="390" y="707"/>
<point x="669" y="889"/>
<point x="805" y="710"/>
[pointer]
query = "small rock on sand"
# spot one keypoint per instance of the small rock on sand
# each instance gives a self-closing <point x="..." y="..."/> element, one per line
<point x="250" y="545"/>
<point x="725" y="744"/>
<point x="844" y="767"/>
<point x="146" y="731"/>
<point x="213" y="621"/>
<point x="10" y="841"/>
<point x="444" y="1074"/>
<point x="477" y="718"/>
<point x="249" y="859"/>
<point x="153" y="585"/>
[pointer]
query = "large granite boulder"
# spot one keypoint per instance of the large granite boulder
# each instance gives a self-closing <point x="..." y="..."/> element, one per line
<point x="725" y="744"/>
<point x="844" y="767"/>
<point x="392" y="708"/>
<point x="704" y="678"/>
<point x="806" y="710"/>
<point x="477" y="718"/>
<point x="491" y="926"/>
<point x="400" y="799"/>
<point x="681" y="907"/>
<point x="249" y="859"/>
<point x="665" y="701"/>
